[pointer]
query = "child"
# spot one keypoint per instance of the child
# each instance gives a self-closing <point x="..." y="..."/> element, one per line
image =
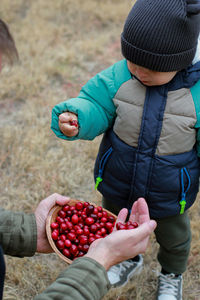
<point x="148" y="107"/>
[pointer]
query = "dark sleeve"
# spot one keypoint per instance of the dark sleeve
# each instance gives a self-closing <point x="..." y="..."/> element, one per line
<point x="18" y="233"/>
<point x="84" y="279"/>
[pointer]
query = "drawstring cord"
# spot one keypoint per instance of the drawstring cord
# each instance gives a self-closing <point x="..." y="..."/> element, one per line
<point x="101" y="166"/>
<point x="183" y="194"/>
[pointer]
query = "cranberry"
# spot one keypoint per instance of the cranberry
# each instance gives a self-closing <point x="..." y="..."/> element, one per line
<point x="103" y="231"/>
<point x="91" y="240"/>
<point x="81" y="253"/>
<point x="74" y="123"/>
<point x="59" y="220"/>
<point x="68" y="243"/>
<point x="69" y="225"/>
<point x="63" y="226"/>
<point x="54" y="235"/>
<point x="111" y="219"/>
<point x="99" y="208"/>
<point x="120" y="226"/>
<point x="104" y="219"/>
<point x="79" y="231"/>
<point x="60" y="244"/>
<point x="89" y="210"/>
<point x="66" y="253"/>
<point x="100" y="215"/>
<point x="62" y="214"/>
<point x="85" y="204"/>
<point x="105" y="214"/>
<point x="94" y="216"/>
<point x="135" y="224"/>
<point x="109" y="226"/>
<point x="54" y="225"/>
<point x="93" y="228"/>
<point x="66" y="208"/>
<point x="63" y="237"/>
<point x="69" y="213"/>
<point x="89" y="221"/>
<point x="79" y="206"/>
<point x="71" y="236"/>
<point x="85" y="247"/>
<point x="83" y="240"/>
<point x="74" y="219"/>
<point x="73" y="250"/>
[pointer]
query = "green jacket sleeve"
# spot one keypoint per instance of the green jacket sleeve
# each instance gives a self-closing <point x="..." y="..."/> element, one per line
<point x="84" y="279"/>
<point x="18" y="233"/>
<point x="94" y="105"/>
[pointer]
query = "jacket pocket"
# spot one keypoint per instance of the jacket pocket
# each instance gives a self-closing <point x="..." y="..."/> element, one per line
<point x="102" y="163"/>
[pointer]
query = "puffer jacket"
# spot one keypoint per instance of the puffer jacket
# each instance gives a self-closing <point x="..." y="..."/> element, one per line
<point x="151" y="143"/>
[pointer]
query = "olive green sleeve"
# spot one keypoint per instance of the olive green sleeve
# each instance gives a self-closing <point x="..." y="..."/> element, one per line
<point x="18" y="233"/>
<point x="84" y="279"/>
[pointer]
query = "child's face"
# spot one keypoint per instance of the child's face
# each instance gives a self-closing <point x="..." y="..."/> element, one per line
<point x="149" y="77"/>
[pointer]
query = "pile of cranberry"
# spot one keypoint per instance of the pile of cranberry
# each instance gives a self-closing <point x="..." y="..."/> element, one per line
<point x="77" y="226"/>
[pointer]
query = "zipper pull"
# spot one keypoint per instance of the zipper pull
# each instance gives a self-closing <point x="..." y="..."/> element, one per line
<point x="98" y="180"/>
<point x="182" y="204"/>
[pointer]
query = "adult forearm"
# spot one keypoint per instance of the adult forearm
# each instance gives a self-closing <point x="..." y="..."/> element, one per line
<point x="83" y="279"/>
<point x="18" y="233"/>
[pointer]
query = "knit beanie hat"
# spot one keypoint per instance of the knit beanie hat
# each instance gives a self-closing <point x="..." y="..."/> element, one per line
<point x="162" y="35"/>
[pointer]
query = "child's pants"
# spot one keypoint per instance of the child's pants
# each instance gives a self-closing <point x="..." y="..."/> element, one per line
<point x="174" y="237"/>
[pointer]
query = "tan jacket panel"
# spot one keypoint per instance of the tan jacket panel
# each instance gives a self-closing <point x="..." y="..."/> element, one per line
<point x="178" y="134"/>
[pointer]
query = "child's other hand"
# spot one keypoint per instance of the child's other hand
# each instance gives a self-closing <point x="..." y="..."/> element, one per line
<point x="68" y="123"/>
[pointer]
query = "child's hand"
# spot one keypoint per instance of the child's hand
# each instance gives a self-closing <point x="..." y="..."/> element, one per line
<point x="68" y="123"/>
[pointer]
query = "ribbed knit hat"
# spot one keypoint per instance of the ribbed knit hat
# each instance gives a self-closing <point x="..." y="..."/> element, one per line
<point x="162" y="35"/>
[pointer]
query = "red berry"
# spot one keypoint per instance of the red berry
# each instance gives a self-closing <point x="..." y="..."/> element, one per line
<point x="79" y="231"/>
<point x="93" y="228"/>
<point x="60" y="244"/>
<point x="111" y="219"/>
<point x="66" y="208"/>
<point x="89" y="221"/>
<point x="104" y="219"/>
<point x="73" y="250"/>
<point x="66" y="253"/>
<point x="79" y="206"/>
<point x="89" y="210"/>
<point x="91" y="240"/>
<point x="74" y="123"/>
<point x="62" y="214"/>
<point x="85" y="204"/>
<point x="85" y="247"/>
<point x="99" y="208"/>
<point x="135" y="224"/>
<point x="71" y="236"/>
<point x="54" y="235"/>
<point x="109" y="226"/>
<point x="120" y="226"/>
<point x="68" y="243"/>
<point x="54" y="225"/>
<point x="74" y="219"/>
<point x="63" y="226"/>
<point x="83" y="240"/>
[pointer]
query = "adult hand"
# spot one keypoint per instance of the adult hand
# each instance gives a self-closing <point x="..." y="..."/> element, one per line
<point x="68" y="123"/>
<point x="41" y="214"/>
<point x="124" y="244"/>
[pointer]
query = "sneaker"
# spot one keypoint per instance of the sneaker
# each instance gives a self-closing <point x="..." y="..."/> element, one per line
<point x="169" y="287"/>
<point x="119" y="274"/>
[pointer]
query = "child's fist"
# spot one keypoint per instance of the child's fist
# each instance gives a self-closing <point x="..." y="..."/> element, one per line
<point x="68" y="123"/>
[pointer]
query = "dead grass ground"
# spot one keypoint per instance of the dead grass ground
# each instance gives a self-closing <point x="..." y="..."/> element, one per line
<point x="61" y="44"/>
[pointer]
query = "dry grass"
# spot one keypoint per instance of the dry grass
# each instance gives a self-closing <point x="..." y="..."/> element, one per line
<point x="61" y="44"/>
